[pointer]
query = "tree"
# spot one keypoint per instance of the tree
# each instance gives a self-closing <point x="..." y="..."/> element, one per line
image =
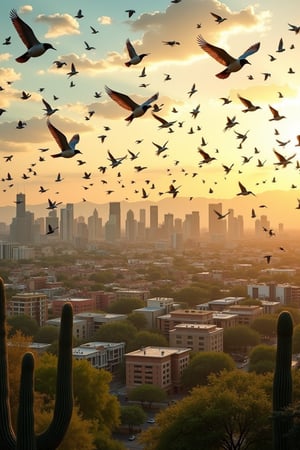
<point x="147" y="338"/>
<point x="296" y="339"/>
<point x="138" y="320"/>
<point x="262" y="359"/>
<point x="232" y="413"/>
<point x="240" y="338"/>
<point x="265" y="325"/>
<point x="119" y="331"/>
<point x="147" y="393"/>
<point x="132" y="416"/>
<point x="202" y="365"/>
<point x="125" y="305"/>
<point x="23" y="323"/>
<point x="47" y="334"/>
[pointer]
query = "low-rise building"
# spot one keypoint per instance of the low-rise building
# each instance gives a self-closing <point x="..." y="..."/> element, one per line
<point x="160" y="366"/>
<point x="199" y="337"/>
<point x="101" y="355"/>
<point x="167" y="322"/>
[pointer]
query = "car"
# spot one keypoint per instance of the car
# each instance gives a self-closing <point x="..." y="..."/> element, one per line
<point x="151" y="420"/>
<point x="132" y="437"/>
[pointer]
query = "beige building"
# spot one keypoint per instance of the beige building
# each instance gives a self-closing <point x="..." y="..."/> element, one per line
<point x="34" y="305"/>
<point x="101" y="355"/>
<point x="167" y="322"/>
<point x="246" y="314"/>
<point x="199" y="337"/>
<point x="160" y="366"/>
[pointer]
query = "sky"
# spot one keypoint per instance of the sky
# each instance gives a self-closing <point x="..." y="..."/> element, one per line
<point x="169" y="70"/>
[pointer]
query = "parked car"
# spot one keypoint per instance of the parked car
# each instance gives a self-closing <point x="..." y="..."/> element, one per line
<point x="151" y="420"/>
<point x="132" y="437"/>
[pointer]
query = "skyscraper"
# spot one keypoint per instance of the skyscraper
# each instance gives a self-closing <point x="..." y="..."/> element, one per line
<point x="216" y="227"/>
<point x="113" y="225"/>
<point x="52" y="220"/>
<point x="21" y="226"/>
<point x="153" y="221"/>
<point x="130" y="226"/>
<point x="67" y="223"/>
<point x="94" y="226"/>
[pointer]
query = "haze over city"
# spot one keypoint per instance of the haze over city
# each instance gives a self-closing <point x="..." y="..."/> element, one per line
<point x="189" y="94"/>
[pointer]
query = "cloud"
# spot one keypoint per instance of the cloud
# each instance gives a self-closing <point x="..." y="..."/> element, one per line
<point x="25" y="9"/>
<point x="105" y="20"/>
<point x="59" y="24"/>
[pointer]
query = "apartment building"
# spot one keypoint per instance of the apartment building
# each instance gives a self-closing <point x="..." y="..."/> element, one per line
<point x="246" y="314"/>
<point x="199" y="337"/>
<point x="34" y="305"/>
<point x="101" y="355"/>
<point x="160" y="366"/>
<point x="167" y="322"/>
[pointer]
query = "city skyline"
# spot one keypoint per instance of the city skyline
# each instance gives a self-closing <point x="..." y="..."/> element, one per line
<point x="189" y="94"/>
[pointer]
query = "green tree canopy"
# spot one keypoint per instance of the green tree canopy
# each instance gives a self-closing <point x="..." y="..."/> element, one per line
<point x="119" y="331"/>
<point x="265" y="325"/>
<point x="138" y="320"/>
<point x="132" y="416"/>
<point x="47" y="334"/>
<point x="23" y="323"/>
<point x="202" y="365"/>
<point x="125" y="305"/>
<point x="147" y="338"/>
<point x="240" y="338"/>
<point x="232" y="412"/>
<point x="262" y="359"/>
<point x="147" y="393"/>
<point x="296" y="339"/>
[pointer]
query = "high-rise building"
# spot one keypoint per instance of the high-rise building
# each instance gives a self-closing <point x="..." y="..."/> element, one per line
<point x="67" y="223"/>
<point x="168" y="225"/>
<point x="94" y="226"/>
<point x="153" y="221"/>
<point x="21" y="228"/>
<point x="114" y="220"/>
<point x="216" y="227"/>
<point x="141" y="231"/>
<point x="130" y="226"/>
<point x="52" y="220"/>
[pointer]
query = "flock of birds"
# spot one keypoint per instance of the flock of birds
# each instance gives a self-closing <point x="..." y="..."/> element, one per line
<point x="34" y="48"/>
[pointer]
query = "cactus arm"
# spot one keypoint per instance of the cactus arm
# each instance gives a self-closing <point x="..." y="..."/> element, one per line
<point x="7" y="435"/>
<point x="26" y="439"/>
<point x="54" y="434"/>
<point x="282" y="382"/>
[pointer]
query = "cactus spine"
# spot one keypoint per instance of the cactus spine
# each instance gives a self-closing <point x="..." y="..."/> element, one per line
<point x="25" y="439"/>
<point x="282" y="382"/>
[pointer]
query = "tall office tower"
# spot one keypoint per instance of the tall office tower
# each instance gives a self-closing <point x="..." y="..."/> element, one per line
<point x="153" y="220"/>
<point x="216" y="227"/>
<point x="67" y="223"/>
<point x="168" y="225"/>
<point x="191" y="226"/>
<point x="178" y="225"/>
<point x="22" y="224"/>
<point x="130" y="226"/>
<point x="115" y="217"/>
<point x="94" y="226"/>
<point x="141" y="226"/>
<point x="52" y="220"/>
<point x="262" y="225"/>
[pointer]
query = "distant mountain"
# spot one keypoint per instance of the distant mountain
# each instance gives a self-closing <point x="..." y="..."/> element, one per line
<point x="279" y="206"/>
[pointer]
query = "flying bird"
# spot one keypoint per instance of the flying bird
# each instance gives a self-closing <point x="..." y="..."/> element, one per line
<point x="218" y="19"/>
<point x="275" y="113"/>
<point x="49" y="110"/>
<point x="127" y="103"/>
<point x="114" y="162"/>
<point x="221" y="216"/>
<point x="282" y="161"/>
<point x="243" y="190"/>
<point x="73" y="71"/>
<point x="232" y="64"/>
<point x="67" y="148"/>
<point x="34" y="47"/>
<point x="164" y="123"/>
<point x="248" y="104"/>
<point x="130" y="12"/>
<point x="51" y="229"/>
<point x="134" y="57"/>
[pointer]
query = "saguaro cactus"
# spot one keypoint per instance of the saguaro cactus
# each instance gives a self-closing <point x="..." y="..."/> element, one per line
<point x="282" y="383"/>
<point x="24" y="438"/>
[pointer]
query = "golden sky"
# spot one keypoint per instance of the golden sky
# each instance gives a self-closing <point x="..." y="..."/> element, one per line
<point x="149" y="28"/>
